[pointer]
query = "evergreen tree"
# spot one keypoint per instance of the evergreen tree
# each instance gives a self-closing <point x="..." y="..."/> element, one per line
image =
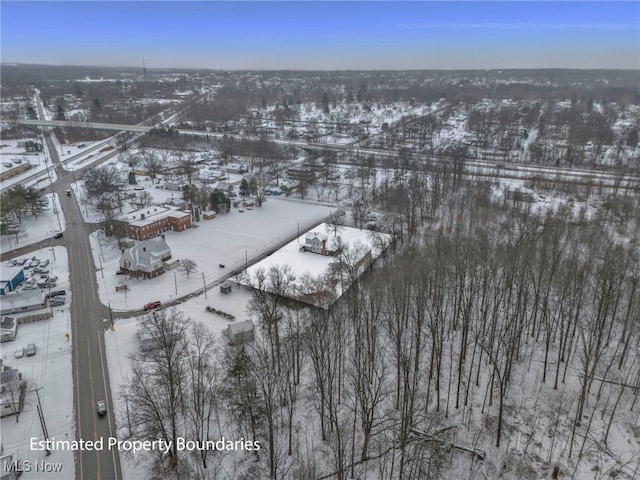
<point x="244" y="188"/>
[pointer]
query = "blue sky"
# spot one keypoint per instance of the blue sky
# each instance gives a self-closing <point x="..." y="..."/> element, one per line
<point x="323" y="35"/>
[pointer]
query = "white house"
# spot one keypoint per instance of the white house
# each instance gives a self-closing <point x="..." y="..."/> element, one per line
<point x="11" y="389"/>
<point x="318" y="242"/>
<point x="146" y="259"/>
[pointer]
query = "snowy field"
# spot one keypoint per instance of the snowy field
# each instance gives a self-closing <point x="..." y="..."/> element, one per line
<point x="48" y="371"/>
<point x="36" y="176"/>
<point x="230" y="239"/>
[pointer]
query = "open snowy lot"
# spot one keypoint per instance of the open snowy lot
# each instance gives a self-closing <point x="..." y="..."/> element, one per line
<point x="231" y="239"/>
<point x="34" y="230"/>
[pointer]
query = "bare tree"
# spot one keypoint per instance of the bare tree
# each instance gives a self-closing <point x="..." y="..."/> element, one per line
<point x="187" y="266"/>
<point x="154" y="391"/>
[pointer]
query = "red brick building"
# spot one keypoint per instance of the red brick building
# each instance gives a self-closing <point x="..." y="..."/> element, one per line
<point x="152" y="221"/>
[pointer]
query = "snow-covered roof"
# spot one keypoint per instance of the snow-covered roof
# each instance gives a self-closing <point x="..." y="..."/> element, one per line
<point x="147" y="252"/>
<point x="312" y="235"/>
<point x="362" y="244"/>
<point x="147" y="215"/>
<point x="9" y="273"/>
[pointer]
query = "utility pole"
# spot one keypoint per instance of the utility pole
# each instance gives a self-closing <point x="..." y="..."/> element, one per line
<point x="43" y="424"/>
<point x="205" y="285"/>
<point x="111" y="315"/>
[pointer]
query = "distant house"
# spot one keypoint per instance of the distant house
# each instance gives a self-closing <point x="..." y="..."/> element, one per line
<point x="223" y="186"/>
<point x="235" y="168"/>
<point x="318" y="242"/>
<point x="152" y="221"/>
<point x="175" y="186"/>
<point x="178" y="203"/>
<point x="240" y="333"/>
<point x="11" y="389"/>
<point x="10" y="278"/>
<point x="8" y="329"/>
<point x="519" y="195"/>
<point x="146" y="259"/>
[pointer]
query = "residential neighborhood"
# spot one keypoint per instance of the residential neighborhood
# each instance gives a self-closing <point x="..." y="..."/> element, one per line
<point x="326" y="240"/>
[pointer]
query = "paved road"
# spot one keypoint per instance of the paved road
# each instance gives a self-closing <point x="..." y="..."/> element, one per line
<point x="90" y="376"/>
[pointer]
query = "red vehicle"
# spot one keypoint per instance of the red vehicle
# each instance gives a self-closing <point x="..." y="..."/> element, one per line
<point x="152" y="305"/>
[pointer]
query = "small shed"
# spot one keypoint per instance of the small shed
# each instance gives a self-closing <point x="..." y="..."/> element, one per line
<point x="225" y="288"/>
<point x="8" y="329"/>
<point x="240" y="333"/>
<point x="147" y="337"/>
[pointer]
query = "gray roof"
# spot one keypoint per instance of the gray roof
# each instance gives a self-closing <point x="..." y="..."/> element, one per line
<point x="155" y="248"/>
<point x="240" y="327"/>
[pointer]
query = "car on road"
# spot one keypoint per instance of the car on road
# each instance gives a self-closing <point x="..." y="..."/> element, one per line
<point x="31" y="350"/>
<point x="68" y="193"/>
<point x="19" y="352"/>
<point x="58" y="235"/>
<point x="152" y="305"/>
<point x="101" y="408"/>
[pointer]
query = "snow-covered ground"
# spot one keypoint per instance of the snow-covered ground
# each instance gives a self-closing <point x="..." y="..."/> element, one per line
<point x="37" y="176"/>
<point x="306" y="264"/>
<point x="34" y="230"/>
<point x="49" y="372"/>
<point x="230" y="239"/>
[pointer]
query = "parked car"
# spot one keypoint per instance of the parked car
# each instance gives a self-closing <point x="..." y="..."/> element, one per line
<point x="41" y="271"/>
<point x="12" y="263"/>
<point x="120" y="271"/>
<point x="101" y="408"/>
<point x="57" y="301"/>
<point x="45" y="263"/>
<point x="57" y="293"/>
<point x="152" y="305"/>
<point x="31" y="350"/>
<point x="21" y="262"/>
<point x="58" y="235"/>
<point x="19" y="352"/>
